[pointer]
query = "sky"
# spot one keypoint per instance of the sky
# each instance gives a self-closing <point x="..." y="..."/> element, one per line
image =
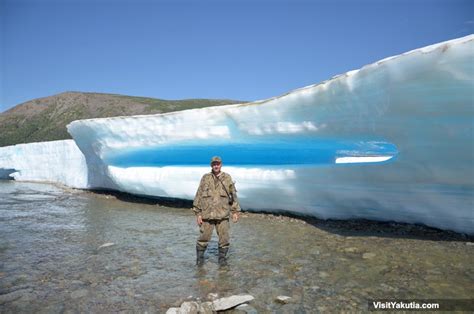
<point x="228" y="49"/>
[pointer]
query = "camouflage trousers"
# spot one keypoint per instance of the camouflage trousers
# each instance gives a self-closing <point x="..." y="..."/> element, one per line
<point x="222" y="229"/>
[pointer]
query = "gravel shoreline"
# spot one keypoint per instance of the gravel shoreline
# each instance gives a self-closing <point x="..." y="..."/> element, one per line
<point x="347" y="227"/>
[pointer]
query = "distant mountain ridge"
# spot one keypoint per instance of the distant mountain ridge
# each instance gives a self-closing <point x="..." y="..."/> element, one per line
<point x="45" y="119"/>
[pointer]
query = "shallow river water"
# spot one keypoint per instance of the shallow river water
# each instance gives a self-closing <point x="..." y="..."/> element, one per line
<point x="50" y="260"/>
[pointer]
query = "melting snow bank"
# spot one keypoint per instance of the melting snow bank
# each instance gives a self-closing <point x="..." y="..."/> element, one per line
<point x="391" y="141"/>
<point x="55" y="161"/>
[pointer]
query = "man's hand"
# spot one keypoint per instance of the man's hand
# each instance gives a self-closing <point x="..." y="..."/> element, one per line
<point x="199" y="220"/>
<point x="235" y="217"/>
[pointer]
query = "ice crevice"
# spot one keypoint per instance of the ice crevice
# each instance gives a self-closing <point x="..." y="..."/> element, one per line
<point x="390" y="141"/>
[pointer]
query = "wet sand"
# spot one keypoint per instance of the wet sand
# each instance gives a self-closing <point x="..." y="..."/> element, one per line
<point x="51" y="260"/>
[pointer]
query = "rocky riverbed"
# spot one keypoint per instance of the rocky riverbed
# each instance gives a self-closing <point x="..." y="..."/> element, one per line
<point x="71" y="251"/>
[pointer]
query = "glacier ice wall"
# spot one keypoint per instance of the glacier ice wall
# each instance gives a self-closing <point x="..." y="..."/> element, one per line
<point x="390" y="141"/>
<point x="413" y="112"/>
<point x="55" y="161"/>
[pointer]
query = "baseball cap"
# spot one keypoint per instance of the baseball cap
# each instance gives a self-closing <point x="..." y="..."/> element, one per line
<point x="216" y="159"/>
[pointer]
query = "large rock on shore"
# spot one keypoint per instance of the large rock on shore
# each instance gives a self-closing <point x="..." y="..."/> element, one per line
<point x="222" y="304"/>
<point x="230" y="302"/>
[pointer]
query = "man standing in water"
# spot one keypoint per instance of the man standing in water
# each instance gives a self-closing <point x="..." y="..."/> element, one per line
<point x="215" y="201"/>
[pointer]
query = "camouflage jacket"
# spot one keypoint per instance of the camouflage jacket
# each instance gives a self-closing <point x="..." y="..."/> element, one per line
<point x="212" y="201"/>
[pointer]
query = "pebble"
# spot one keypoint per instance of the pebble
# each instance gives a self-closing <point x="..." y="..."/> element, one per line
<point x="368" y="255"/>
<point x="351" y="250"/>
<point x="106" y="245"/>
<point x="323" y="274"/>
<point x="212" y="296"/>
<point x="283" y="299"/>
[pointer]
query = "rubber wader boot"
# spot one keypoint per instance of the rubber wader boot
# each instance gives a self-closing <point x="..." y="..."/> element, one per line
<point x="200" y="255"/>
<point x="222" y="256"/>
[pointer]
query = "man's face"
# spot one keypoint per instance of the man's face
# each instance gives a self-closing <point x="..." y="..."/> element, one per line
<point x="216" y="167"/>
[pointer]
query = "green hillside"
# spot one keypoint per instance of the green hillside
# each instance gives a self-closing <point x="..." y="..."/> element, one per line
<point x="45" y="119"/>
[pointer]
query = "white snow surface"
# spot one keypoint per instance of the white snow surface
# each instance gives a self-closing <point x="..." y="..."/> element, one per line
<point x="421" y="101"/>
<point x="55" y="161"/>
